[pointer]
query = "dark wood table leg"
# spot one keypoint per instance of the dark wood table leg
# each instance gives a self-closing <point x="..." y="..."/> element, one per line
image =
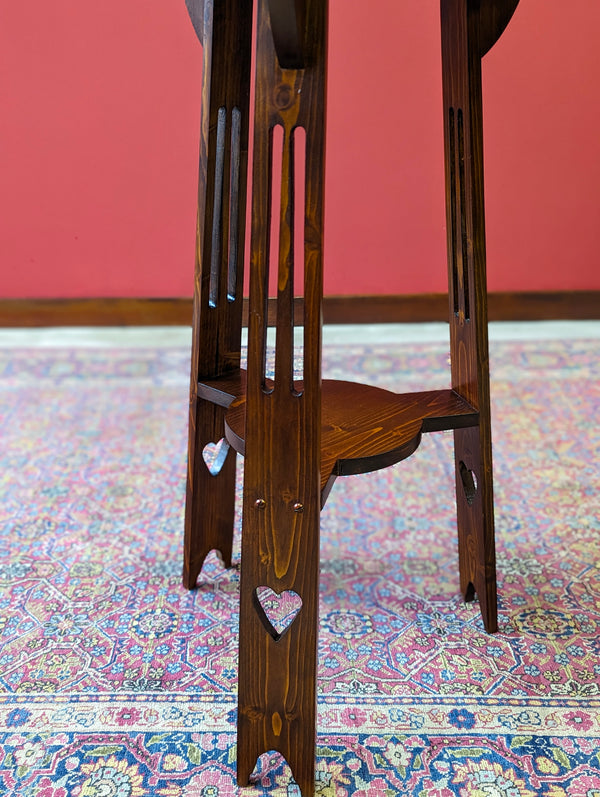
<point x="226" y="29"/>
<point x="469" y="28"/>
<point x="282" y="486"/>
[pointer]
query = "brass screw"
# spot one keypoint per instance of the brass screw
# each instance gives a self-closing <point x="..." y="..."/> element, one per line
<point x="298" y="507"/>
<point x="260" y="503"/>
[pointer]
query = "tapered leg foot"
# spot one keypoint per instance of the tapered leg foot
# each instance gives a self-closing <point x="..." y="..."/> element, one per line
<point x="475" y="507"/>
<point x="210" y="504"/>
<point x="299" y="752"/>
<point x="277" y="693"/>
<point x="303" y="774"/>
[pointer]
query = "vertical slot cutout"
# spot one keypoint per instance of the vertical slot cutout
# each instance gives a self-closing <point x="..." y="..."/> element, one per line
<point x="271" y="264"/>
<point x="453" y="193"/>
<point x="463" y="215"/>
<point x="299" y="221"/>
<point x="217" y="222"/>
<point x="234" y="204"/>
<point x="277" y="136"/>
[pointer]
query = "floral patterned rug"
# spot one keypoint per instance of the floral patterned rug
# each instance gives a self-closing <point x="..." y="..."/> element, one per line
<point x="116" y="682"/>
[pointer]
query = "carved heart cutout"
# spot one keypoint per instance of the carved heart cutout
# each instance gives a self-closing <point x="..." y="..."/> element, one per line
<point x="469" y="481"/>
<point x="277" y="612"/>
<point x="214" y="455"/>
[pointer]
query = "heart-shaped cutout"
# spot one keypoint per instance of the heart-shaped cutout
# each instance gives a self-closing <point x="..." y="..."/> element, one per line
<point x="277" y="612"/>
<point x="214" y="455"/>
<point x="469" y="481"/>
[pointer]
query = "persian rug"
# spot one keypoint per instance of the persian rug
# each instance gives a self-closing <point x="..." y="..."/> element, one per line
<point x="116" y="682"/>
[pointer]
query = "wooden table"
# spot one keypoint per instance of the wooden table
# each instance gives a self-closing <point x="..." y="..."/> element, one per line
<point x="298" y="436"/>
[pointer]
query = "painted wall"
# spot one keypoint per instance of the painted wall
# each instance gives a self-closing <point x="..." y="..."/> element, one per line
<point x="99" y="126"/>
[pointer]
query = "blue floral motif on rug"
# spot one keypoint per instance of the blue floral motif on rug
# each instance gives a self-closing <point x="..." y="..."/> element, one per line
<point x="116" y="682"/>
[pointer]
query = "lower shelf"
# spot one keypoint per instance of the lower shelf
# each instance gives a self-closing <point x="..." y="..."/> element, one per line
<point x="363" y="428"/>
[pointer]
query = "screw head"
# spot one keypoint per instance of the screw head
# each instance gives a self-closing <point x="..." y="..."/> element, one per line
<point x="298" y="507"/>
<point x="260" y="503"/>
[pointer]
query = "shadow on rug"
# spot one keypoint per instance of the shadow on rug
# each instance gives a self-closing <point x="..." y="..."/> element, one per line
<point x="116" y="682"/>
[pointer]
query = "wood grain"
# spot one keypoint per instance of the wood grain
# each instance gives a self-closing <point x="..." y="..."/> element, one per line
<point x="494" y="16"/>
<point x="299" y="436"/>
<point x="364" y="428"/>
<point x="280" y="542"/>
<point x="469" y="28"/>
<point x="217" y="306"/>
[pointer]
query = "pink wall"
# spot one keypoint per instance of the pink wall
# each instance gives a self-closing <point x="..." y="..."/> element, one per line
<point x="99" y="135"/>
